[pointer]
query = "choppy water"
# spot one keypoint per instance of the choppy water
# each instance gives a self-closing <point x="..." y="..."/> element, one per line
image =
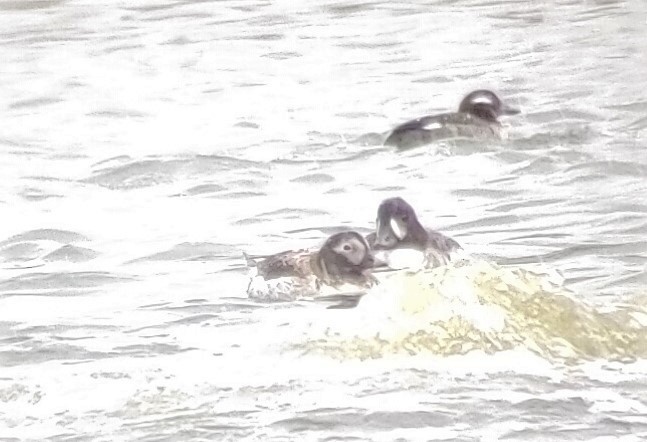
<point x="145" y="145"/>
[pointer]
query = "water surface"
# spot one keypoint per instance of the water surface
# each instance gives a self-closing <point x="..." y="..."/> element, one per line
<point x="145" y="145"/>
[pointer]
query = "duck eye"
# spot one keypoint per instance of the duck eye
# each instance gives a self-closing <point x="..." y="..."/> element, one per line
<point x="405" y="218"/>
<point x="347" y="247"/>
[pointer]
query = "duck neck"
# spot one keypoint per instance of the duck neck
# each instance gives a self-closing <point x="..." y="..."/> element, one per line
<point x="416" y="236"/>
<point x="484" y="113"/>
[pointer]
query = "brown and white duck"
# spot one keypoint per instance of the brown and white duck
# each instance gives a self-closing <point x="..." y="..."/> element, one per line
<point x="343" y="263"/>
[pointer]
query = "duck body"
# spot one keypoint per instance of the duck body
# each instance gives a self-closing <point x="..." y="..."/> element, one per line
<point x="477" y="118"/>
<point x="342" y="264"/>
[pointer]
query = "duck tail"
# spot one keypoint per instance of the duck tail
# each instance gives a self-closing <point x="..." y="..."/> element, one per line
<point x="251" y="260"/>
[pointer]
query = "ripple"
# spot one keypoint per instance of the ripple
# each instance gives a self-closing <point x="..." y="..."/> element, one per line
<point x="314" y="178"/>
<point x="62" y="236"/>
<point x="151" y="172"/>
<point x="202" y="189"/>
<point x="354" y="419"/>
<point x="24" y="251"/>
<point x="71" y="253"/>
<point x="23" y="5"/>
<point x="34" y="102"/>
<point x="49" y="282"/>
<point x="35" y="194"/>
<point x="610" y="167"/>
<point x="146" y="350"/>
<point x="45" y="352"/>
<point x="190" y="252"/>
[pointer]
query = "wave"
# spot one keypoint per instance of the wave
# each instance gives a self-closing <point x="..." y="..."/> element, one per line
<point x="481" y="306"/>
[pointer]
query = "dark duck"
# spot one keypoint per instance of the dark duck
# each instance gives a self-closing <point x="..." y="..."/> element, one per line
<point x="398" y="229"/>
<point x="477" y="118"/>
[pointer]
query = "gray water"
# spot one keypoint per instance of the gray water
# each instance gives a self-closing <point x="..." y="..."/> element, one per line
<point x="145" y="145"/>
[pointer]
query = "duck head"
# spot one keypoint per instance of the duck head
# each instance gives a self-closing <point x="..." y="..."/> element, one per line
<point x="345" y="254"/>
<point x="397" y="224"/>
<point x="486" y="105"/>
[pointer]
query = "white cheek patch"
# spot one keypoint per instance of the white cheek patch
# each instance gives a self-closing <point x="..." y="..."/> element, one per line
<point x="356" y="255"/>
<point x="433" y="125"/>
<point x="482" y="100"/>
<point x="397" y="231"/>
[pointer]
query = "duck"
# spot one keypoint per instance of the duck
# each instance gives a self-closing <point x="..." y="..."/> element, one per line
<point x="342" y="263"/>
<point x="477" y="118"/>
<point x="400" y="241"/>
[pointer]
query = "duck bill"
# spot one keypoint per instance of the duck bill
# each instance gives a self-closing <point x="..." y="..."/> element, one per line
<point x="369" y="261"/>
<point x="389" y="233"/>
<point x="379" y="260"/>
<point x="509" y="110"/>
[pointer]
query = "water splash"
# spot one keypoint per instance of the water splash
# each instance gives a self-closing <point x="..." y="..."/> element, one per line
<point x="482" y="306"/>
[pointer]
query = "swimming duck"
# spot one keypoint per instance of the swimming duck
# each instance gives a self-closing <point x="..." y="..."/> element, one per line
<point x="477" y="118"/>
<point x="343" y="261"/>
<point x="398" y="230"/>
